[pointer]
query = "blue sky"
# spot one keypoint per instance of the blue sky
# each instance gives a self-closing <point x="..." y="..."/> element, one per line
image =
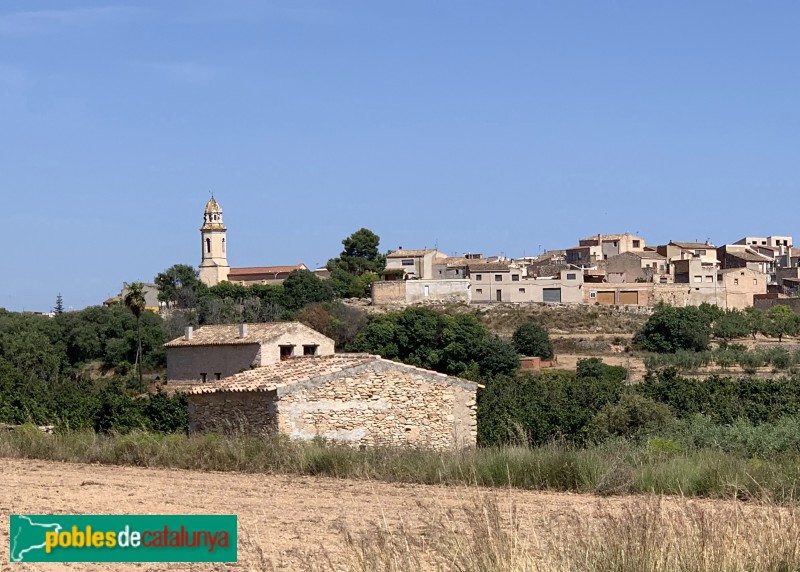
<point x="496" y="127"/>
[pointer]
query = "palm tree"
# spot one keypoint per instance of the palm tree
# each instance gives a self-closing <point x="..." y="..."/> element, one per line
<point x="134" y="301"/>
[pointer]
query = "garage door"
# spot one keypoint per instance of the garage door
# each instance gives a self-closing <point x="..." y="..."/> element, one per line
<point x="551" y="295"/>
<point x="606" y="298"/>
<point x="630" y="298"/>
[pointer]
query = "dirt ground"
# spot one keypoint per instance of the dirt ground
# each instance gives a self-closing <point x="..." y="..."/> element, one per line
<point x="284" y="521"/>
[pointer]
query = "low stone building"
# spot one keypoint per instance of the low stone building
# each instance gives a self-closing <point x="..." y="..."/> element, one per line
<point x="359" y="399"/>
<point x="215" y="352"/>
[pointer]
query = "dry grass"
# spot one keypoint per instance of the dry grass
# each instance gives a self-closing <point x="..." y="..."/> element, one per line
<point x="650" y="534"/>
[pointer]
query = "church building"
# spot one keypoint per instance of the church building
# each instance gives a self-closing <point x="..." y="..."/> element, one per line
<point x="214" y="266"/>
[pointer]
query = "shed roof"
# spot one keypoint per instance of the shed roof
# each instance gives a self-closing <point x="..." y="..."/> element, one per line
<point x="228" y="334"/>
<point x="285" y="376"/>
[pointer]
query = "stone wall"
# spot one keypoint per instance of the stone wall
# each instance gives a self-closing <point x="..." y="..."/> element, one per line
<point x="386" y="293"/>
<point x="453" y="290"/>
<point x="232" y="412"/>
<point x="382" y="407"/>
<point x="764" y="303"/>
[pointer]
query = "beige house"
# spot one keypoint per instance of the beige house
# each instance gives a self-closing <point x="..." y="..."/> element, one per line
<point x="216" y="352"/>
<point x="773" y="241"/>
<point x="492" y="281"/>
<point x="353" y="398"/>
<point x="741" y="285"/>
<point x="415" y="264"/>
<point x="695" y="271"/>
<point x="687" y="250"/>
<point x="645" y="266"/>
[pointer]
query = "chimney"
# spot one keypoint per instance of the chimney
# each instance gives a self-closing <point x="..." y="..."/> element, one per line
<point x="188" y="333"/>
<point x="242" y="330"/>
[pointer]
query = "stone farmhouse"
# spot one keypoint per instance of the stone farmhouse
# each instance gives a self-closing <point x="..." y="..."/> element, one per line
<point x="358" y="399"/>
<point x="212" y="353"/>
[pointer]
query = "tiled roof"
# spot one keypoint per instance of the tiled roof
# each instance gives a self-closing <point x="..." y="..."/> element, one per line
<point x="645" y="254"/>
<point x="308" y="369"/>
<point x="488" y="266"/>
<point x="247" y="271"/>
<point x="228" y="334"/>
<point x="409" y="253"/>
<point x="692" y="245"/>
<point x="746" y="255"/>
<point x="456" y="261"/>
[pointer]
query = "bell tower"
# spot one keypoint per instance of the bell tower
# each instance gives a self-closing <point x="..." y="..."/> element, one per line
<point x="214" y="263"/>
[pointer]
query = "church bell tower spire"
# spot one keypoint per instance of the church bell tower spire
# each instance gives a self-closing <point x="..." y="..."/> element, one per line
<point x="214" y="262"/>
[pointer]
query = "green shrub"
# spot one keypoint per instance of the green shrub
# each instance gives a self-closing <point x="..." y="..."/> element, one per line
<point x="670" y="329"/>
<point x="631" y="415"/>
<point x="533" y="340"/>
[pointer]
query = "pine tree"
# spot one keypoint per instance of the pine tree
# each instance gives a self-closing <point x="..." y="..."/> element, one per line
<point x="59" y="309"/>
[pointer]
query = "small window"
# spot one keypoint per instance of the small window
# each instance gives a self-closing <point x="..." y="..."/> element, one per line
<point x="735" y="281"/>
<point x="217" y="376"/>
<point x="407" y="262"/>
<point x="310" y="349"/>
<point x="755" y="282"/>
<point x="203" y="377"/>
<point x="572" y="276"/>
<point x="698" y="278"/>
<point x="709" y="278"/>
<point x="208" y="245"/>
<point x="663" y="280"/>
<point x="479" y="277"/>
<point x="700" y="252"/>
<point x="457" y="271"/>
<point x="479" y="291"/>
<point x="522" y="290"/>
<point x="286" y="352"/>
<point x="498" y="277"/>
<point x="515" y="277"/>
<point x="592" y="294"/>
<point x="636" y="244"/>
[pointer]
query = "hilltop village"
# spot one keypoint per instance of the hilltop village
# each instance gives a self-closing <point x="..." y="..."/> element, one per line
<point x="604" y="269"/>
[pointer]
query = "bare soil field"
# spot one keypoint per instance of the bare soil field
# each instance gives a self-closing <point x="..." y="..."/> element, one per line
<point x="285" y="522"/>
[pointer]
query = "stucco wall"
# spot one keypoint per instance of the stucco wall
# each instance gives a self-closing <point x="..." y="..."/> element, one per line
<point x="382" y="407"/>
<point x="232" y="412"/>
<point x="185" y="364"/>
<point x="271" y="352"/>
